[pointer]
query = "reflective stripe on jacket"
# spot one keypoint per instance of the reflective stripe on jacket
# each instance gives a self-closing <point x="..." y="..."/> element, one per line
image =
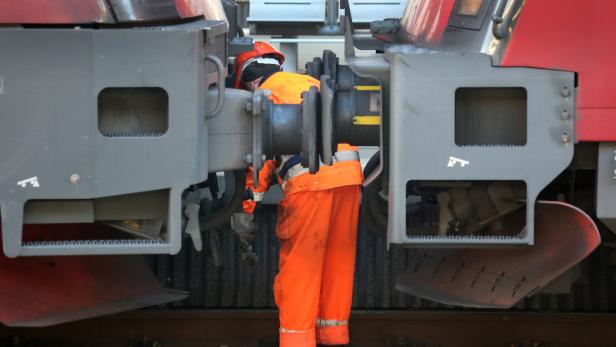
<point x="345" y="172"/>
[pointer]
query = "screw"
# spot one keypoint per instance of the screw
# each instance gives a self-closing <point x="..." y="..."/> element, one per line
<point x="248" y="158"/>
<point x="565" y="138"/>
<point x="74" y="179"/>
<point x="565" y="91"/>
<point x="249" y="106"/>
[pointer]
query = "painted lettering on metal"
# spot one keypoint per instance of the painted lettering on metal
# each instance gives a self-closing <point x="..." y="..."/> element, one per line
<point x="453" y="161"/>
<point x="32" y="181"/>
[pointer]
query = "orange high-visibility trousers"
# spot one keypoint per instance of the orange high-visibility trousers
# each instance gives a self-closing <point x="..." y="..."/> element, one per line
<point x="318" y="231"/>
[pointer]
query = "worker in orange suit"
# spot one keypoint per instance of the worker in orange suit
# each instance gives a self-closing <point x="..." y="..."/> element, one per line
<point x="317" y="220"/>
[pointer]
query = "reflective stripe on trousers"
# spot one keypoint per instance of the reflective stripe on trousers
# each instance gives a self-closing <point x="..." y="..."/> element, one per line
<point x="331" y="322"/>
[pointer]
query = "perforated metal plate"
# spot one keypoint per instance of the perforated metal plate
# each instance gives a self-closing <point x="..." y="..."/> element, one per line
<point x="499" y="278"/>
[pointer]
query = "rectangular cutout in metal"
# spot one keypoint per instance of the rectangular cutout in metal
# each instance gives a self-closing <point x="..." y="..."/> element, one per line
<point x="491" y="116"/>
<point x="140" y="214"/>
<point x="469" y="7"/>
<point x="133" y="112"/>
<point x="469" y="14"/>
<point x="466" y="211"/>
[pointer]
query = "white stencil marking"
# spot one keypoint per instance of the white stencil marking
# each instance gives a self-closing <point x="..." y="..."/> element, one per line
<point x="453" y="161"/>
<point x="33" y="181"/>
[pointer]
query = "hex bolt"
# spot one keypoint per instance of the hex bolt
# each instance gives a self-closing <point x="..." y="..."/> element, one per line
<point x="74" y="179"/>
<point x="565" y="91"/>
<point x="565" y="138"/>
<point x="565" y="115"/>
<point x="248" y="158"/>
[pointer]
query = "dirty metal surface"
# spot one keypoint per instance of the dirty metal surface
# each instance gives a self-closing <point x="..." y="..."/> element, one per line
<point x="239" y="285"/>
<point x="499" y="278"/>
<point x="258" y="328"/>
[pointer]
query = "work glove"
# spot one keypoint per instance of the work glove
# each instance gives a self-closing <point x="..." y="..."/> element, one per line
<point x="244" y="227"/>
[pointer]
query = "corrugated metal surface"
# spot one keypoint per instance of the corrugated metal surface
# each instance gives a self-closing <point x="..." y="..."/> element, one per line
<point x="240" y="285"/>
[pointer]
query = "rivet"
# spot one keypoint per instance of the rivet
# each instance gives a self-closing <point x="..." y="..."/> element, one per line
<point x="565" y="138"/>
<point x="565" y="91"/>
<point x="74" y="179"/>
<point x="565" y="115"/>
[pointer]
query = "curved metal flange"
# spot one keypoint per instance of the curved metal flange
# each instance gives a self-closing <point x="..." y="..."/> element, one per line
<point x="497" y="277"/>
<point x="327" y="120"/>
<point x="257" y="106"/>
<point x="310" y="155"/>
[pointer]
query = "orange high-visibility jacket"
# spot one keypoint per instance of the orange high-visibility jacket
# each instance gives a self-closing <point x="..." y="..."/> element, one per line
<point x="287" y="87"/>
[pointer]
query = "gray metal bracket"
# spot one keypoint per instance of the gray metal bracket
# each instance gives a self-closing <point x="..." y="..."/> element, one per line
<point x="50" y="140"/>
<point x="422" y="131"/>
<point x="606" y="184"/>
<point x="13" y="244"/>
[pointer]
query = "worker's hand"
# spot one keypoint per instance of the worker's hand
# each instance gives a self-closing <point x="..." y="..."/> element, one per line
<point x="248" y="194"/>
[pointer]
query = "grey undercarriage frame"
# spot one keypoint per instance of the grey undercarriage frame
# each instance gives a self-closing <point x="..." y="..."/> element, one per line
<point x="116" y="124"/>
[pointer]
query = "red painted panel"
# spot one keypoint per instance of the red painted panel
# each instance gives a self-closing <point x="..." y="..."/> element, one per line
<point x="41" y="291"/>
<point x="49" y="12"/>
<point x="89" y="11"/>
<point x="574" y="36"/>
<point x="211" y="9"/>
<point x="426" y="21"/>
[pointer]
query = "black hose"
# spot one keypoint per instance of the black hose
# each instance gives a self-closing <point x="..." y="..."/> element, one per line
<point x="374" y="207"/>
<point x="374" y="211"/>
<point x="223" y="215"/>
